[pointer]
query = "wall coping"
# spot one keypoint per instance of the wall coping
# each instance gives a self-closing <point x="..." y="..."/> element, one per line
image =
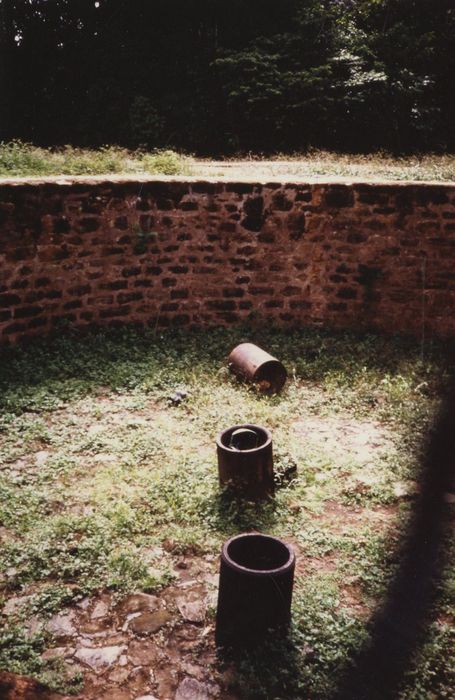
<point x="68" y="181"/>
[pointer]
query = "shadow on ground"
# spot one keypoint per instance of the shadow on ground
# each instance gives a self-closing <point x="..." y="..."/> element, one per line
<point x="398" y="628"/>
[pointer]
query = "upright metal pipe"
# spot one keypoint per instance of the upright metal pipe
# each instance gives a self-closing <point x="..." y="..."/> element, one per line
<point x="250" y="362"/>
<point x="248" y="471"/>
<point x="255" y="592"/>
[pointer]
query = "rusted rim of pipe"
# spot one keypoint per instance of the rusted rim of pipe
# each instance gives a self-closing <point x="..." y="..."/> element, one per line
<point x="235" y="552"/>
<point x="223" y="438"/>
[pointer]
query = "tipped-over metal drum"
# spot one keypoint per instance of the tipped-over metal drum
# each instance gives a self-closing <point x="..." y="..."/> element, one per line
<point x="251" y="363"/>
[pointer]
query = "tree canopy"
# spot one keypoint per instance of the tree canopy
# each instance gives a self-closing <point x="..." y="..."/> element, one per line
<point x="218" y="77"/>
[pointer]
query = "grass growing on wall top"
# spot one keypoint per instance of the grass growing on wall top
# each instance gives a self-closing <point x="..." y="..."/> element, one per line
<point x="18" y="159"/>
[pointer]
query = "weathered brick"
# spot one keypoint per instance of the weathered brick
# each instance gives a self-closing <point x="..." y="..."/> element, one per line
<point x="303" y="196"/>
<point x="296" y="225"/>
<point x="27" y="311"/>
<point x="233" y="292"/>
<point x="125" y="297"/>
<point x="180" y="320"/>
<point x="178" y="269"/>
<point x="221" y="305"/>
<point x="260" y="290"/>
<point x="42" y="282"/>
<point x="117" y="284"/>
<point x="21" y="253"/>
<point x="9" y="300"/>
<point x="143" y="283"/>
<point x="188" y="206"/>
<point x="339" y="196"/>
<point x="300" y="304"/>
<point x="19" y="284"/>
<point x="88" y="224"/>
<point x="206" y="187"/>
<point x="169" y="282"/>
<point x="179" y="294"/>
<point x="356" y="238"/>
<point x="79" y="290"/>
<point x="347" y="293"/>
<point x="266" y="237"/>
<point x="143" y="204"/>
<point x="121" y="222"/>
<point x="205" y="270"/>
<point x="228" y="316"/>
<point x="254" y="217"/>
<point x="239" y="187"/>
<point x="75" y="304"/>
<point x="14" y="328"/>
<point x="61" y="225"/>
<point x="110" y="313"/>
<point x="131" y="271"/>
<point x="38" y="322"/>
<point x="291" y="290"/>
<point x="280" y="202"/>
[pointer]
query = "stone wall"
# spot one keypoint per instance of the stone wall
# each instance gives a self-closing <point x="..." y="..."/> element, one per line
<point x="185" y="252"/>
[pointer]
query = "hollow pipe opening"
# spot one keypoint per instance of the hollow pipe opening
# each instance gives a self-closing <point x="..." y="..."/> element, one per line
<point x="257" y="553"/>
<point x="241" y="437"/>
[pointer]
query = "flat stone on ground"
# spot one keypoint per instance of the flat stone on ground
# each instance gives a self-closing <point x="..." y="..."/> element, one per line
<point x="98" y="658"/>
<point x="139" y="602"/>
<point x="13" y="605"/>
<point x="150" y="622"/>
<point x="192" y="611"/>
<point x="57" y="653"/>
<point x="101" y="609"/>
<point x="191" y="689"/>
<point x="142" y="652"/>
<point x="62" y="625"/>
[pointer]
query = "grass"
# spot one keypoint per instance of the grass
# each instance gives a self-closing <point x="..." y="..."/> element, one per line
<point x="325" y="164"/>
<point x="106" y="483"/>
<point x="18" y="159"/>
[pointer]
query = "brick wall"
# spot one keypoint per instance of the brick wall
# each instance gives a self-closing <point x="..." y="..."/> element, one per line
<point x="181" y="252"/>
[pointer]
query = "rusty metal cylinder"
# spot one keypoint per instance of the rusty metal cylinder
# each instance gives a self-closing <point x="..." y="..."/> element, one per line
<point x="255" y="592"/>
<point x="246" y="469"/>
<point x="251" y="363"/>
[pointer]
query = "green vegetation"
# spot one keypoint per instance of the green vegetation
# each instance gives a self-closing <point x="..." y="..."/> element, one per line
<point x="19" y="159"/>
<point x="211" y="78"/>
<point x="25" y="160"/>
<point x="106" y="483"/>
<point x="323" y="164"/>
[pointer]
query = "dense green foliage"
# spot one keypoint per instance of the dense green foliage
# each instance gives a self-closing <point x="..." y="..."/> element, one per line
<point x="222" y="77"/>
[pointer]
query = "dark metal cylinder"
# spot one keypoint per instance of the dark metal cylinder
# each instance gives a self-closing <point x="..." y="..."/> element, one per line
<point x="255" y="592"/>
<point x="253" y="364"/>
<point x="249" y="472"/>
